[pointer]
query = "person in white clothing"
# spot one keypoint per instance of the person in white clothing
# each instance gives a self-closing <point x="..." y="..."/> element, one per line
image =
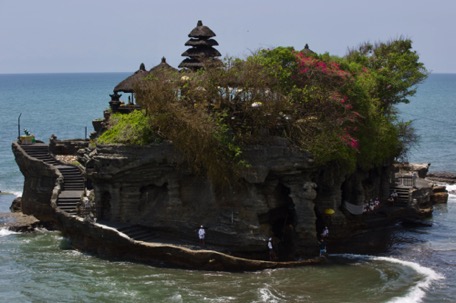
<point x="325" y="232"/>
<point x="272" y="255"/>
<point x="201" y="235"/>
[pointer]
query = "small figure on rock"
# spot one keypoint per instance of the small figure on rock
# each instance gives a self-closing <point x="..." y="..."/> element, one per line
<point x="394" y="196"/>
<point x="201" y="235"/>
<point x="325" y="232"/>
<point x="272" y="255"/>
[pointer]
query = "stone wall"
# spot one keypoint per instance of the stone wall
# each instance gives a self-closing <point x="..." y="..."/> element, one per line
<point x="40" y="181"/>
<point x="282" y="195"/>
<point x="151" y="186"/>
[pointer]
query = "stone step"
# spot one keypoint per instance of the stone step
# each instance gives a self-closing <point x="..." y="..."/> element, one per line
<point x="68" y="208"/>
<point x="68" y="202"/>
<point x="73" y="186"/>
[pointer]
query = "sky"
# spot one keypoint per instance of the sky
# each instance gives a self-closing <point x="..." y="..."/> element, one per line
<point x="55" y="36"/>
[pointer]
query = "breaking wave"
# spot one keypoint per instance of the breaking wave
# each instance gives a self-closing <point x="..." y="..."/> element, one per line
<point x="6" y="232"/>
<point x="424" y="279"/>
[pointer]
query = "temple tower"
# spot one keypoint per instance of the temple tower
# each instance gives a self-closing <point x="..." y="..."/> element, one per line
<point x="202" y="52"/>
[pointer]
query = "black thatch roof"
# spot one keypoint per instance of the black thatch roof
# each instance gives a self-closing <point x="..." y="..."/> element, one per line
<point x="202" y="51"/>
<point x="201" y="31"/>
<point x="129" y="83"/>
<point x="194" y="63"/>
<point x="163" y="66"/>
<point x="307" y="51"/>
<point x="199" y="42"/>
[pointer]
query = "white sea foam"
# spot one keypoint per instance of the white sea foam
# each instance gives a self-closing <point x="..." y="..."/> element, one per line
<point x="14" y="193"/>
<point x="267" y="296"/>
<point x="6" y="232"/>
<point x="417" y="292"/>
<point x="451" y="187"/>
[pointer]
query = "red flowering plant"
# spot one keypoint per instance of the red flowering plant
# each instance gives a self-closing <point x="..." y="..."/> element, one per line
<point x="340" y="109"/>
<point x="322" y="90"/>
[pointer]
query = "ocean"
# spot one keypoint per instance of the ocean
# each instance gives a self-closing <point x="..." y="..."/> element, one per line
<point x="418" y="264"/>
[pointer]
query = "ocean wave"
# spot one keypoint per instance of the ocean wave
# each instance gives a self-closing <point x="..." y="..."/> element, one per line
<point x="13" y="193"/>
<point x="417" y="292"/>
<point x="266" y="295"/>
<point x="6" y="232"/>
<point x="451" y="187"/>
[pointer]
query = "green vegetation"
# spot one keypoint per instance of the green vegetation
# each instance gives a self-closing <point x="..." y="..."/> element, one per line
<point x="133" y="128"/>
<point x="340" y="109"/>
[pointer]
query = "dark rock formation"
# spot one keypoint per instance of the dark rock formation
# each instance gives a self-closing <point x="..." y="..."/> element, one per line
<point x="282" y="195"/>
<point x="439" y="194"/>
<point x="150" y="186"/>
<point x="16" y="205"/>
<point x="19" y="222"/>
<point x="445" y="177"/>
<point x="39" y="185"/>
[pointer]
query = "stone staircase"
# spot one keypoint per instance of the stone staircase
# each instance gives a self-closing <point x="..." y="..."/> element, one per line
<point x="403" y="196"/>
<point x="40" y="151"/>
<point x="73" y="182"/>
<point x="73" y="187"/>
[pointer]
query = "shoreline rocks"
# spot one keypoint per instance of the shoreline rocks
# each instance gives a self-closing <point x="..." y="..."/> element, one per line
<point x="444" y="177"/>
<point x="283" y="195"/>
<point x="19" y="222"/>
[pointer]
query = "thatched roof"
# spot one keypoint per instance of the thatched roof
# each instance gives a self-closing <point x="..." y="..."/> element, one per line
<point x="163" y="66"/>
<point x="130" y="82"/>
<point x="202" y="51"/>
<point x="201" y="31"/>
<point x="307" y="51"/>
<point x="194" y="63"/>
<point x="199" y="42"/>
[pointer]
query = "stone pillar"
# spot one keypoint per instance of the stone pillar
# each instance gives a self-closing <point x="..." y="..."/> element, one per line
<point x="303" y="194"/>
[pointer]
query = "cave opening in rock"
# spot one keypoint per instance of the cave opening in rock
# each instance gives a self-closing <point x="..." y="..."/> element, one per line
<point x="282" y="221"/>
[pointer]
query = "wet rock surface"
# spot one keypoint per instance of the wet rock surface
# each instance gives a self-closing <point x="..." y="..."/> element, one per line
<point x="17" y="221"/>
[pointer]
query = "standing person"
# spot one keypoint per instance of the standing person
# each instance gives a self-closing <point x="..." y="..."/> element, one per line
<point x="201" y="235"/>
<point x="394" y="196"/>
<point x="271" y="250"/>
<point x="325" y="232"/>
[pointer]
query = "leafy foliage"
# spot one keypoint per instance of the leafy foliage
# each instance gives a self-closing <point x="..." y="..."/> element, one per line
<point x="341" y="109"/>
<point x="394" y="69"/>
<point x="130" y="128"/>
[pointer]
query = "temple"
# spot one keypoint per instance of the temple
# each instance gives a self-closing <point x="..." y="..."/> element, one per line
<point x="202" y="51"/>
<point x="145" y="203"/>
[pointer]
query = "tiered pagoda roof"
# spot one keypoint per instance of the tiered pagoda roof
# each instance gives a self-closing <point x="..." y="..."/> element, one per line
<point x="202" y="51"/>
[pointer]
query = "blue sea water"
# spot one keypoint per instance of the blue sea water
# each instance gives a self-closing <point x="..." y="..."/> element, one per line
<point x="419" y="266"/>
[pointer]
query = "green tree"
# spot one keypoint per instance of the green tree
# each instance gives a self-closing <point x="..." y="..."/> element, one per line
<point x="340" y="109"/>
<point x="395" y="69"/>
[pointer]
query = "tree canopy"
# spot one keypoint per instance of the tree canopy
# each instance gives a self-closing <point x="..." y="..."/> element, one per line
<point x="340" y="109"/>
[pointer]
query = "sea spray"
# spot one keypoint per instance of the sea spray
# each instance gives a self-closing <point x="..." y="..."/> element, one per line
<point x="4" y="232"/>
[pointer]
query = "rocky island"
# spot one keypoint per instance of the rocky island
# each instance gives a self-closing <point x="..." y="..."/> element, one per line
<point x="250" y="158"/>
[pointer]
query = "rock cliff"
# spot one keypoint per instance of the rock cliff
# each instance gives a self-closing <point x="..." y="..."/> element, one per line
<point x="282" y="194"/>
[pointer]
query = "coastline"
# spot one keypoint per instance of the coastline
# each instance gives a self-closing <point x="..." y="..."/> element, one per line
<point x="18" y="222"/>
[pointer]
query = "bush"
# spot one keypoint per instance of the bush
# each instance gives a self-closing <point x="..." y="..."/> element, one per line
<point x="339" y="109"/>
<point x="130" y="128"/>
